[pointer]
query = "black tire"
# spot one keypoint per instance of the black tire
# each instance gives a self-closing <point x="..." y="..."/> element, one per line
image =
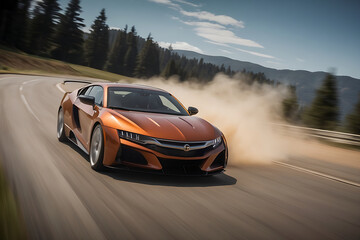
<point x="60" y="126"/>
<point x="96" y="153"/>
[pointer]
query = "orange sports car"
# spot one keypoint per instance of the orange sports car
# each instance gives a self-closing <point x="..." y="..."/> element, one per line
<point x="141" y="128"/>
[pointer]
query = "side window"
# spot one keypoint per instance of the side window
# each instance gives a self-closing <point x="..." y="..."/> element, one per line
<point x="85" y="91"/>
<point x="97" y="92"/>
<point x="168" y="104"/>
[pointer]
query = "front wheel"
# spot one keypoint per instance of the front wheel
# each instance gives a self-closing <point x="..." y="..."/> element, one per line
<point x="97" y="149"/>
<point x="60" y="126"/>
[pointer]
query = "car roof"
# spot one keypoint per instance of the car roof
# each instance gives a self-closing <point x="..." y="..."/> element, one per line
<point x="127" y="85"/>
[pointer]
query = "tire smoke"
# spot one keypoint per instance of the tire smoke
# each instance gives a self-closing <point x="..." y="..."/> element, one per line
<point x="243" y="112"/>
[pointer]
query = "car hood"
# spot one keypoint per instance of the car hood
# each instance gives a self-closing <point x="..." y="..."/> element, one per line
<point x="164" y="126"/>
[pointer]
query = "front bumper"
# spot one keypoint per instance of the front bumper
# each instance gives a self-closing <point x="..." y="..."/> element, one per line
<point x="123" y="153"/>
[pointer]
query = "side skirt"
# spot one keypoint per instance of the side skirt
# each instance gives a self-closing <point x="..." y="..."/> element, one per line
<point x="72" y="137"/>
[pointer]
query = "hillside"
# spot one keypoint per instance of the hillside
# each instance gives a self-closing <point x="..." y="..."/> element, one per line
<point x="19" y="62"/>
<point x="306" y="82"/>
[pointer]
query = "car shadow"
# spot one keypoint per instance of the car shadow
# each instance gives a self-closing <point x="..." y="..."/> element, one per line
<point x="221" y="179"/>
<point x="77" y="149"/>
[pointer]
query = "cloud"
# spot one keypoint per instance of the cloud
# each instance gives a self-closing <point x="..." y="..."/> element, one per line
<point x="300" y="60"/>
<point x="181" y="46"/>
<point x="218" y="34"/>
<point x="166" y="2"/>
<point x="255" y="53"/>
<point x="174" y="5"/>
<point x="225" y="37"/>
<point x="208" y="16"/>
<point x="188" y="3"/>
<point x="202" y="24"/>
<point x="212" y="27"/>
<point x="219" y="44"/>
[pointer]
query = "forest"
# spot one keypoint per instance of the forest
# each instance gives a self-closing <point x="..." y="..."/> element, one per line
<point x="42" y="28"/>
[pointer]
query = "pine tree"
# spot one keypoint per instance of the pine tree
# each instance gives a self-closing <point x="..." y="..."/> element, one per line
<point x="228" y="71"/>
<point x="69" y="36"/>
<point x="290" y="105"/>
<point x="222" y="68"/>
<point x="353" y="119"/>
<point x="323" y="112"/>
<point x="45" y="15"/>
<point x="165" y="56"/>
<point x="97" y="44"/>
<point x="148" y="63"/>
<point x="116" y="58"/>
<point x="7" y="13"/>
<point x="200" y="69"/>
<point x="131" y="54"/>
<point x="170" y="69"/>
<point x="18" y="34"/>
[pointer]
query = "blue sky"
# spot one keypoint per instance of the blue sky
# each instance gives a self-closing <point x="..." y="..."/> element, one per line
<point x="311" y="35"/>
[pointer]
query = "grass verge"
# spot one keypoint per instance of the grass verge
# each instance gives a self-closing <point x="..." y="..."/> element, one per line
<point x="12" y="61"/>
<point x="11" y="226"/>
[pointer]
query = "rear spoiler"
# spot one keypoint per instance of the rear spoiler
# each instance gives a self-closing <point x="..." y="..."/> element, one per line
<point x="73" y="81"/>
<point x="66" y="81"/>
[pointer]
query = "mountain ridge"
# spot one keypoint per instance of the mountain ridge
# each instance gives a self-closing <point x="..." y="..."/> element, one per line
<point x="306" y="82"/>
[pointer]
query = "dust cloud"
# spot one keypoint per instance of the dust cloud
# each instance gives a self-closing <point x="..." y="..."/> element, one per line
<point x="243" y="112"/>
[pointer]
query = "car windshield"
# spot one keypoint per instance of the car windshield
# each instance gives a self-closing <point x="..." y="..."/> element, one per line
<point x="143" y="100"/>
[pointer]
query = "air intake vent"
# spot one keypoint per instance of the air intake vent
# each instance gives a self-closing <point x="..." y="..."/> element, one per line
<point x="130" y="155"/>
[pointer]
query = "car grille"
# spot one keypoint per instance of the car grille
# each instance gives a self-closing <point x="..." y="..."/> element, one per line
<point x="178" y="152"/>
<point x="176" y="148"/>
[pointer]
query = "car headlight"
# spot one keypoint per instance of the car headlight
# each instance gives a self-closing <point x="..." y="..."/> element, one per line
<point x="216" y="142"/>
<point x="134" y="137"/>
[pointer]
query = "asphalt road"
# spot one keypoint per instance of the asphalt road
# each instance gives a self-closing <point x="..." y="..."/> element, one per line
<point x="62" y="198"/>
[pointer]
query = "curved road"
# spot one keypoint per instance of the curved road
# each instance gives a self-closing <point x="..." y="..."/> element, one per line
<point x="62" y="198"/>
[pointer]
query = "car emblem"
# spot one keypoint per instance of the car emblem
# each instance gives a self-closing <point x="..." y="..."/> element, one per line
<point x="186" y="147"/>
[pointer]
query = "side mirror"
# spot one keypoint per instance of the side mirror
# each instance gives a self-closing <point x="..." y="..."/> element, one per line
<point x="192" y="111"/>
<point x="89" y="100"/>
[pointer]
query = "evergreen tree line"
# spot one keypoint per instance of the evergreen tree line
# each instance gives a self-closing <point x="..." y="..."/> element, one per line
<point x="323" y="112"/>
<point x="45" y="31"/>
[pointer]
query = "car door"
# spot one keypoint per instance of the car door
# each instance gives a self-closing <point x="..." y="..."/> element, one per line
<point x="79" y="105"/>
<point x="78" y="108"/>
<point x="88" y="113"/>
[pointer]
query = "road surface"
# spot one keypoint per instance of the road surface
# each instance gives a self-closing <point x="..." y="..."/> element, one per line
<point x="62" y="198"/>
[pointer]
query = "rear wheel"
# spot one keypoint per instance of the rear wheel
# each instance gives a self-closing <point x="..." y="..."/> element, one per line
<point x="60" y="126"/>
<point x="97" y="149"/>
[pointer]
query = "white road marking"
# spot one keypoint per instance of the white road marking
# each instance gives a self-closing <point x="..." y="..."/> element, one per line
<point x="28" y="107"/>
<point x="31" y="81"/>
<point x="317" y="173"/>
<point x="60" y="88"/>
<point x="24" y="99"/>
